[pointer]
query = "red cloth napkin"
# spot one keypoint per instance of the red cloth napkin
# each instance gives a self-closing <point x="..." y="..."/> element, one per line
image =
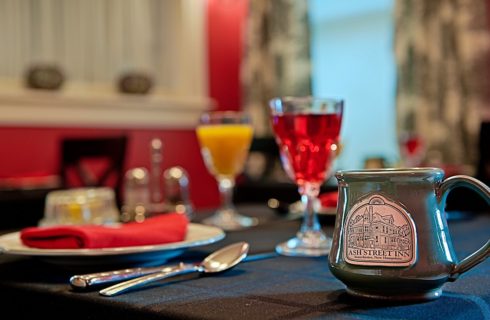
<point x="166" y="228"/>
<point x="329" y="199"/>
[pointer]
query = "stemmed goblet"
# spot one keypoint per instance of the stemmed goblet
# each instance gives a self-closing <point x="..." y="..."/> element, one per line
<point x="412" y="149"/>
<point x="307" y="132"/>
<point x="225" y="139"/>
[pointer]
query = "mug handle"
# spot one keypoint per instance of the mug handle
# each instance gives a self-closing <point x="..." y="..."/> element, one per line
<point x="484" y="191"/>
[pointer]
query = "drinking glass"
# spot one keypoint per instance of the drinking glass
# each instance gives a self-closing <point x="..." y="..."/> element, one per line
<point x="307" y="133"/>
<point x="412" y="149"/>
<point x="225" y="139"/>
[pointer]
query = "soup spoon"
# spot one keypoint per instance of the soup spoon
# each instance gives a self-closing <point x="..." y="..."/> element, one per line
<point x="218" y="261"/>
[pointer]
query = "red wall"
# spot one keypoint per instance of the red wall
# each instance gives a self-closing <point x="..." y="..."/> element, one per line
<point x="34" y="151"/>
<point x="225" y="21"/>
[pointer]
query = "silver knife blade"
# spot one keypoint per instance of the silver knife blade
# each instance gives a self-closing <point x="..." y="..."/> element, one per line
<point x="84" y="281"/>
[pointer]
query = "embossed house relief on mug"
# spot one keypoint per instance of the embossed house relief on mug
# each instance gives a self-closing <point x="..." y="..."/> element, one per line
<point x="379" y="232"/>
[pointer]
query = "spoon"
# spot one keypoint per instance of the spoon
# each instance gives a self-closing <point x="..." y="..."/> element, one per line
<point x="219" y="261"/>
<point x="88" y="280"/>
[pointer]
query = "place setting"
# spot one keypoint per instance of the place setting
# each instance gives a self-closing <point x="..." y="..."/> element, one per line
<point x="77" y="237"/>
<point x="246" y="159"/>
<point x="367" y="241"/>
<point x="82" y="228"/>
<point x="101" y="246"/>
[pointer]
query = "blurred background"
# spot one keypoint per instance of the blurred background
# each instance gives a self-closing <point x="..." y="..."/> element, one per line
<point x="414" y="76"/>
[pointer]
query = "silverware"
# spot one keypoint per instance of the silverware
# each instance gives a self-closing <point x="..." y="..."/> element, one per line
<point x="84" y="281"/>
<point x="87" y="280"/>
<point x="217" y="262"/>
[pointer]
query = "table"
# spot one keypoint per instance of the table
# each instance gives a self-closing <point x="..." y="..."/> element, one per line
<point x="274" y="288"/>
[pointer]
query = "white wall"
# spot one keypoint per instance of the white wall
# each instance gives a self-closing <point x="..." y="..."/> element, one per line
<point x="95" y="42"/>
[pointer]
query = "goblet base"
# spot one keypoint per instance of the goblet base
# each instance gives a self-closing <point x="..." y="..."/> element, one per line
<point x="230" y="219"/>
<point x="306" y="244"/>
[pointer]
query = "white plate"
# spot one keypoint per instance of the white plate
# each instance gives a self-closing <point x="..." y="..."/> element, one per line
<point x="197" y="235"/>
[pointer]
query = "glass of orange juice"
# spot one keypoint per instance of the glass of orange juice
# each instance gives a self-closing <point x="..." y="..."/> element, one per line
<point x="225" y="139"/>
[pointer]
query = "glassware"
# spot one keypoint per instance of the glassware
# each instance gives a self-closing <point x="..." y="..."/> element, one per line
<point x="412" y="149"/>
<point x="177" y="195"/>
<point x="225" y="138"/>
<point x="80" y="206"/>
<point x="157" y="205"/>
<point x="307" y="132"/>
<point x="136" y="195"/>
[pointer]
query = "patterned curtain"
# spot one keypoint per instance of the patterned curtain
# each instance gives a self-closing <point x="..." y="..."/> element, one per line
<point x="276" y="60"/>
<point x="443" y="60"/>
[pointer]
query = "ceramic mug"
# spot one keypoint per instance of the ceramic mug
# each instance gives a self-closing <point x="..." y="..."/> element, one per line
<point x="391" y="239"/>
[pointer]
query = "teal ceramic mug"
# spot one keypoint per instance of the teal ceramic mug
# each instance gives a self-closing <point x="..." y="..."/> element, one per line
<point x="391" y="239"/>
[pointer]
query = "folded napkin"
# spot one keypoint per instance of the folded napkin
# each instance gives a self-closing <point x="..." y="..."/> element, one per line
<point x="165" y="228"/>
<point x="329" y="199"/>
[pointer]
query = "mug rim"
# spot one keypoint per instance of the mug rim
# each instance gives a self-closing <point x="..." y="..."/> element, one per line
<point x="390" y="171"/>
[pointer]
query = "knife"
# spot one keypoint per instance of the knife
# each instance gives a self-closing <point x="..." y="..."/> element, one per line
<point x="84" y="281"/>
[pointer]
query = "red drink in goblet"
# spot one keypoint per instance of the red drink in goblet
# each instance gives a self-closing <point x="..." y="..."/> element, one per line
<point x="309" y="143"/>
<point x="307" y="131"/>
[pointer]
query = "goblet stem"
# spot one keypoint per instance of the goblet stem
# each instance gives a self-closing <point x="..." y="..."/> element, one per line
<point x="226" y="216"/>
<point x="310" y="239"/>
<point x="309" y="193"/>
<point x="226" y="186"/>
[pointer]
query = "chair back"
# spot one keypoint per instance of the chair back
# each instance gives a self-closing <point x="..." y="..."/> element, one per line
<point x="93" y="162"/>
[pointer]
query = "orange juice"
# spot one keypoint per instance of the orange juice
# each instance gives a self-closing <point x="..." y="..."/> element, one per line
<point x="225" y="147"/>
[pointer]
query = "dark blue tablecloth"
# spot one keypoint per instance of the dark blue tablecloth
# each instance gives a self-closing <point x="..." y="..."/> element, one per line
<point x="275" y="288"/>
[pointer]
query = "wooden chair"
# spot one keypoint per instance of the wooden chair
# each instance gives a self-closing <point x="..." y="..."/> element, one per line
<point x="93" y="162"/>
